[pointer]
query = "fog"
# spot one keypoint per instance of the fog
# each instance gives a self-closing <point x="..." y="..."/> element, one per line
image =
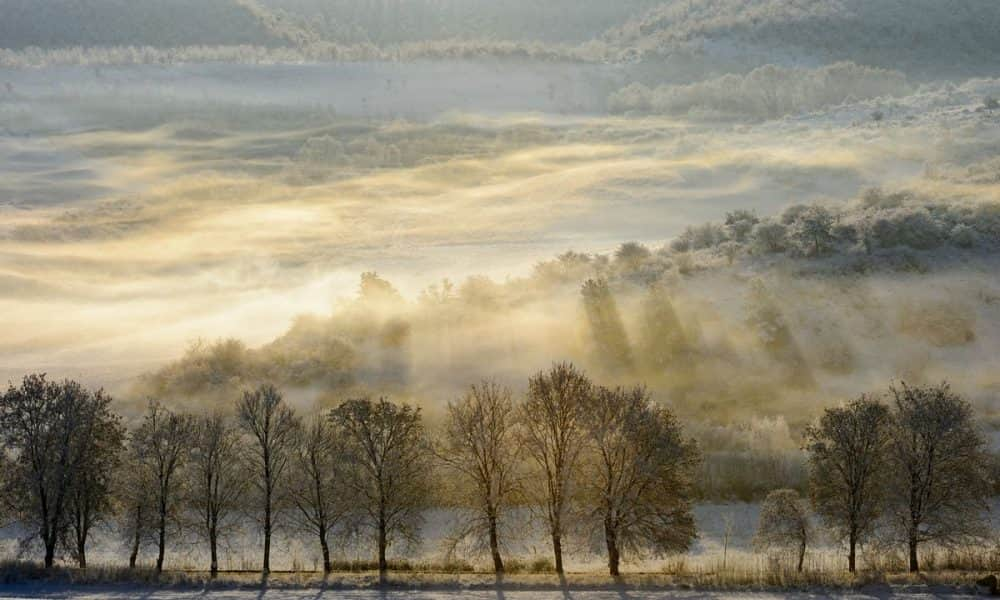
<point x="158" y="197"/>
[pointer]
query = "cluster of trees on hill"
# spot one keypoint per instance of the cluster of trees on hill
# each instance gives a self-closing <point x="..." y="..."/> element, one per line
<point x="914" y="470"/>
<point x="766" y="92"/>
<point x="879" y="221"/>
<point x="610" y="456"/>
<point x="251" y="31"/>
<point x="68" y="23"/>
<point x="311" y="51"/>
<point x="950" y="34"/>
<point x="398" y="21"/>
<point x="610" y="459"/>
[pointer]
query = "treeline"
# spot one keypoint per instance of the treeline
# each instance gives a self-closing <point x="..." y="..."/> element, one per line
<point x="912" y="470"/>
<point x="313" y="51"/>
<point x="767" y="92"/>
<point x="943" y="35"/>
<point x="610" y="457"/>
<point x="580" y="456"/>
<point x="877" y="222"/>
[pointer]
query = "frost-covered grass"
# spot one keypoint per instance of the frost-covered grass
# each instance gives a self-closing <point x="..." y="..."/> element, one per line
<point x="739" y="576"/>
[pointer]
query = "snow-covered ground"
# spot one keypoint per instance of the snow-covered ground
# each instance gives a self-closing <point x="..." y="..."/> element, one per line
<point x="122" y="592"/>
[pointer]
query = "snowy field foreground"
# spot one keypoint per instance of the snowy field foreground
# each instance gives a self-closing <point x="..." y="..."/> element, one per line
<point x="122" y="592"/>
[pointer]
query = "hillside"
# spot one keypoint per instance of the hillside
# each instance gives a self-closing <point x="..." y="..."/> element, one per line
<point x="159" y="23"/>
<point x="402" y="21"/>
<point x="957" y="35"/>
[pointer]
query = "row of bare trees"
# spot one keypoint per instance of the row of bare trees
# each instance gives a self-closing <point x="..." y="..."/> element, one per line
<point x="909" y="467"/>
<point x="611" y="458"/>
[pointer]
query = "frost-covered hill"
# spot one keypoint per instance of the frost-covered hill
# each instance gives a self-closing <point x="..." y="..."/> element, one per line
<point x="920" y="35"/>
<point x="161" y="23"/>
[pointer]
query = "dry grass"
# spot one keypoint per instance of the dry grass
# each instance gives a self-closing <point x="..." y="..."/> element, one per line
<point x="677" y="573"/>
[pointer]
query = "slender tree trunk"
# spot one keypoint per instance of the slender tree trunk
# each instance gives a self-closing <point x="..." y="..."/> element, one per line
<point x="802" y="555"/>
<point x="383" y="565"/>
<point x="162" y="538"/>
<point x="557" y="550"/>
<point x="495" y="544"/>
<point x="50" y="551"/>
<point x="326" y="550"/>
<point x="134" y="554"/>
<point x="213" y="544"/>
<point x="266" y="568"/>
<point x="611" y="539"/>
<point x="852" y="542"/>
<point x="914" y="563"/>
<point x="81" y="550"/>
<point x="267" y="540"/>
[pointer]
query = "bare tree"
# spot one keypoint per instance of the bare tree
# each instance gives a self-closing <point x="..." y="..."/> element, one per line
<point x="161" y="445"/>
<point x="639" y="473"/>
<point x="553" y="435"/>
<point x="317" y="483"/>
<point x="479" y="445"/>
<point x="388" y="452"/>
<point x="91" y="494"/>
<point x="273" y="427"/>
<point x="46" y="427"/>
<point x="784" y="524"/>
<point x="940" y="468"/>
<point x="217" y="482"/>
<point x="135" y="503"/>
<point x="847" y="458"/>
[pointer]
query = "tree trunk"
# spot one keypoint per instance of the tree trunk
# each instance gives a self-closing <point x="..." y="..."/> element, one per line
<point x="268" y="491"/>
<point x="134" y="554"/>
<point x="162" y="540"/>
<point x="50" y="551"/>
<point x="852" y="542"/>
<point x="495" y="545"/>
<point x="611" y="539"/>
<point x="914" y="564"/>
<point x="802" y="555"/>
<point x="383" y="565"/>
<point x="81" y="551"/>
<point x="213" y="544"/>
<point x="267" y="538"/>
<point x="557" y="550"/>
<point x="326" y="550"/>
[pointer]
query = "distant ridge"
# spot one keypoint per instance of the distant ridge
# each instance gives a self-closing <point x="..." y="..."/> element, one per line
<point x="158" y="23"/>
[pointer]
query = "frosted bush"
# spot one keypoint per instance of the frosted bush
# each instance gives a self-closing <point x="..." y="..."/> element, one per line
<point x="770" y="237"/>
<point x="963" y="236"/>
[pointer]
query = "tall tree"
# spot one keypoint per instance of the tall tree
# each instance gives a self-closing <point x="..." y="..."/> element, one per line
<point x="45" y="426"/>
<point x="217" y="482"/>
<point x="389" y="454"/>
<point x="479" y="446"/>
<point x="91" y="495"/>
<point x="272" y="427"/>
<point x="639" y="474"/>
<point x="317" y="483"/>
<point x="553" y="432"/>
<point x="940" y="468"/>
<point x="134" y="496"/>
<point x="847" y="460"/>
<point x="161" y="445"/>
<point x="784" y="524"/>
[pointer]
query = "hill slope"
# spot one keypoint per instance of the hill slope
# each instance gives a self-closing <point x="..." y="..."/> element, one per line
<point x="890" y="33"/>
<point x="160" y="23"/>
